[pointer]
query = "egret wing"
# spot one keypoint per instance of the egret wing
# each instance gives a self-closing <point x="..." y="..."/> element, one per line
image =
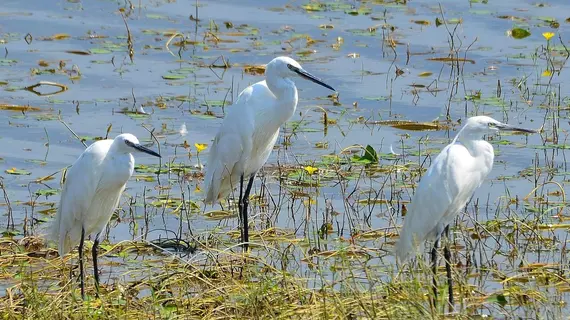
<point x="243" y="143"/>
<point x="438" y="197"/>
<point x="80" y="186"/>
<point x="230" y="151"/>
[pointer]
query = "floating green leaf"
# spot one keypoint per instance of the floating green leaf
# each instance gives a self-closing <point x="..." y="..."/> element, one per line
<point x="519" y="33"/>
<point x="47" y="192"/>
<point x="11" y="233"/>
<point x="360" y="11"/>
<point x="99" y="51"/>
<point x="156" y="16"/>
<point x="362" y="32"/>
<point x="173" y="77"/>
<point x="18" y="171"/>
<point x="7" y="62"/>
<point x="311" y="7"/>
<point x="499" y="299"/>
<point x="220" y="215"/>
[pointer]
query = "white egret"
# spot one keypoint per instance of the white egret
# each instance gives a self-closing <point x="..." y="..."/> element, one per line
<point x="249" y="132"/>
<point x="444" y="190"/>
<point x="91" y="192"/>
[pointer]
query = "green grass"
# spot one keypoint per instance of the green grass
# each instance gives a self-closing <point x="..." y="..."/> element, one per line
<point x="278" y="280"/>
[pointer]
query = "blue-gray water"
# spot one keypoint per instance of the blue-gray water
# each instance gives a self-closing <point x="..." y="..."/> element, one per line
<point x="361" y="67"/>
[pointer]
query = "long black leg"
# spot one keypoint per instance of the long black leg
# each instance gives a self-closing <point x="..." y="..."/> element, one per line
<point x="447" y="256"/>
<point x="240" y="208"/>
<point x="434" y="270"/>
<point x="245" y="217"/>
<point x="81" y="273"/>
<point x="95" y="268"/>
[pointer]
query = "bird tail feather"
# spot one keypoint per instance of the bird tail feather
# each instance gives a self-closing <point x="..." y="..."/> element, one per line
<point x="403" y="249"/>
<point x="67" y="241"/>
<point x="212" y="180"/>
<point x="406" y="246"/>
<point x="65" y="236"/>
<point x="212" y="186"/>
<point x="218" y="182"/>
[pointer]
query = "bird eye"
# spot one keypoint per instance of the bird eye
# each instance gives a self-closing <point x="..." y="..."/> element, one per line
<point x="492" y="125"/>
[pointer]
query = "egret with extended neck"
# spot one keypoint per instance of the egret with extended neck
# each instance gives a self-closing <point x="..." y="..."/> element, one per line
<point x="249" y="132"/>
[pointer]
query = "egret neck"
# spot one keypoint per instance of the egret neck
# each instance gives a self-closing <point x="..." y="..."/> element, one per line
<point x="286" y="97"/>
<point x="472" y="140"/>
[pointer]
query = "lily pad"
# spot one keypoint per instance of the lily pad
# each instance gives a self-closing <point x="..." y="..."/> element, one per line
<point x="519" y="33"/>
<point x="99" y="51"/>
<point x="18" y="172"/>
<point x="7" y="62"/>
<point x="219" y="214"/>
<point x="173" y="77"/>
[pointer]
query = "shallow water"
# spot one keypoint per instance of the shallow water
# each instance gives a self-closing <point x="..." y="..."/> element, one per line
<point x="109" y="81"/>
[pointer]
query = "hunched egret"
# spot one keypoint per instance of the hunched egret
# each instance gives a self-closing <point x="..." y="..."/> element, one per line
<point x="444" y="190"/>
<point x="249" y="132"/>
<point x="91" y="192"/>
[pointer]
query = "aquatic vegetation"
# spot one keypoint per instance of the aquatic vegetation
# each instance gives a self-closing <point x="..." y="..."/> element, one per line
<point x="327" y="207"/>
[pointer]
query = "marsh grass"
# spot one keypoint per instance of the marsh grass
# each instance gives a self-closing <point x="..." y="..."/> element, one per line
<point x="331" y="262"/>
<point x="221" y="286"/>
<point x="323" y="223"/>
<point x="283" y="277"/>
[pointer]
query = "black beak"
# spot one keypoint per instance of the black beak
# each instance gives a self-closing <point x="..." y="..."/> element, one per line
<point x="145" y="150"/>
<point x="506" y="127"/>
<point x="304" y="74"/>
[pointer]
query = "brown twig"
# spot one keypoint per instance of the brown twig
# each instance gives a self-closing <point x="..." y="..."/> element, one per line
<point x="71" y="130"/>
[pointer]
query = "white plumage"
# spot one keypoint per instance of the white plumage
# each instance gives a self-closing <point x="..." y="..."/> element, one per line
<point x="250" y="129"/>
<point x="92" y="190"/>
<point x="246" y="138"/>
<point x="88" y="199"/>
<point x="449" y="183"/>
<point x="443" y="191"/>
